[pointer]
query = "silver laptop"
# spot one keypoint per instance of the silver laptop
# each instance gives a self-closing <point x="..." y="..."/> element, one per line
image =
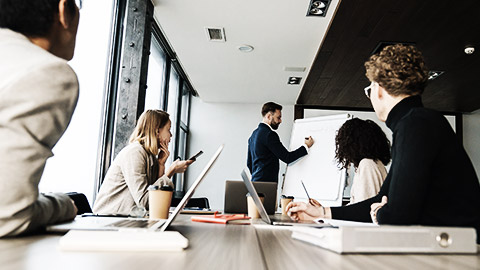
<point x="119" y="223"/>
<point x="274" y="220"/>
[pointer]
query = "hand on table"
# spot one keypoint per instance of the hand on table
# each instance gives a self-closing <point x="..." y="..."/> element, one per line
<point x="303" y="211"/>
<point x="375" y="207"/>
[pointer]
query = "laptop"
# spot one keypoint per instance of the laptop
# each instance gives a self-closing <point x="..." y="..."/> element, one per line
<point x="235" y="196"/>
<point x="120" y="223"/>
<point x="274" y="220"/>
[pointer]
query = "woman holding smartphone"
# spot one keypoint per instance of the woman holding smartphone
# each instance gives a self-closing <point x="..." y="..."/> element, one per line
<point x="140" y="164"/>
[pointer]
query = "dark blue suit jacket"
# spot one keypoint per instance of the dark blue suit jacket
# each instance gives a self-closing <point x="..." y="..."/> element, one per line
<point x="264" y="151"/>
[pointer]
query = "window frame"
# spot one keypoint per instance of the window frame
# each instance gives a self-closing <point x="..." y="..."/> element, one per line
<point x="120" y="113"/>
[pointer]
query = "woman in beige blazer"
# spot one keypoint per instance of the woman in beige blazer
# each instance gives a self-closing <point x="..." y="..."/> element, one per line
<point x="363" y="144"/>
<point x="138" y="165"/>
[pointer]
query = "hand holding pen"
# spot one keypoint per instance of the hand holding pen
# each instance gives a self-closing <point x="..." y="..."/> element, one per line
<point x="309" y="141"/>
<point x="311" y="201"/>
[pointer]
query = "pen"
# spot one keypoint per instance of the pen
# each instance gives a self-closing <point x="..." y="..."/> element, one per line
<point x="309" y="200"/>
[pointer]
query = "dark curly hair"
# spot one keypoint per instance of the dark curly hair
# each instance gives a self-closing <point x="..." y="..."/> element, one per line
<point x="358" y="139"/>
<point x="399" y="69"/>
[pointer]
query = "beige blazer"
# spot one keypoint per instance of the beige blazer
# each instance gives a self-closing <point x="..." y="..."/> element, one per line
<point x="38" y="94"/>
<point x="368" y="180"/>
<point x="126" y="183"/>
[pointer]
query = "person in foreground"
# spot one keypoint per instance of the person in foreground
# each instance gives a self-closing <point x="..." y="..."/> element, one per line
<point x="363" y="144"/>
<point x="265" y="148"/>
<point x="138" y="165"/>
<point x="431" y="180"/>
<point x="38" y="94"/>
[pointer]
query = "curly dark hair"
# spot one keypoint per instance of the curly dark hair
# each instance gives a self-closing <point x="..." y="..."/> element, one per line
<point x="399" y="69"/>
<point x="358" y="139"/>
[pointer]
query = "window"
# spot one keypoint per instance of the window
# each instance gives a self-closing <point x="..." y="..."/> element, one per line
<point x="174" y="99"/>
<point x="154" y="98"/>
<point x="185" y="110"/>
<point x="159" y="73"/>
<point x="72" y="168"/>
<point x="172" y="109"/>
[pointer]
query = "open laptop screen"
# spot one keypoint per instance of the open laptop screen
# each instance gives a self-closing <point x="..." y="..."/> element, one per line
<point x="190" y="191"/>
<point x="253" y="193"/>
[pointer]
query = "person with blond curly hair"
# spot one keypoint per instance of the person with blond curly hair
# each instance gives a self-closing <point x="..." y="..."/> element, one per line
<point x="431" y="181"/>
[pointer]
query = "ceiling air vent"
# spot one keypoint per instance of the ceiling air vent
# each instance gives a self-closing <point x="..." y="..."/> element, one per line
<point x="215" y="34"/>
<point x="295" y="69"/>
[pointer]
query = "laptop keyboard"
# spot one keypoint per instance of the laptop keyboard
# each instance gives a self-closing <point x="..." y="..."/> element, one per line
<point x="133" y="223"/>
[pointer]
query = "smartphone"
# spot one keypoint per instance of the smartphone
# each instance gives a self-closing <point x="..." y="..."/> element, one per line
<point x="196" y="155"/>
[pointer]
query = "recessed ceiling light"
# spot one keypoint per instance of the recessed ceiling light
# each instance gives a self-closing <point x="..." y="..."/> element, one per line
<point x="318" y="8"/>
<point x="245" y="48"/>
<point x="294" y="80"/>
<point x="469" y="50"/>
<point x="433" y="74"/>
<point x="318" y="4"/>
<point x="316" y="11"/>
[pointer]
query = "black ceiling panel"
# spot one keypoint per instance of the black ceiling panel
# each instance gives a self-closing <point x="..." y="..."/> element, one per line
<point x="440" y="29"/>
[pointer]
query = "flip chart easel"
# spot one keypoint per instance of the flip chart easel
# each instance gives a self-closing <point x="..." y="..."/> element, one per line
<point x="318" y="170"/>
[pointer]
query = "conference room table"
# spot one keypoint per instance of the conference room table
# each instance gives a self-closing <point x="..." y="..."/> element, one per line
<point x="217" y="246"/>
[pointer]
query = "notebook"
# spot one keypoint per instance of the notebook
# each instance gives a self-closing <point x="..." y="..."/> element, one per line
<point x="223" y="219"/>
<point x="275" y="220"/>
<point x="77" y="240"/>
<point x="104" y="223"/>
<point x="390" y="239"/>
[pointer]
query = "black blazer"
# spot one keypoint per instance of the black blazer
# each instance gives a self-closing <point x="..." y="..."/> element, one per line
<point x="264" y="151"/>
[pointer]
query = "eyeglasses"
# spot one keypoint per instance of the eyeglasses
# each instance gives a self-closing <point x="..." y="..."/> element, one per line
<point x="78" y="3"/>
<point x="368" y="90"/>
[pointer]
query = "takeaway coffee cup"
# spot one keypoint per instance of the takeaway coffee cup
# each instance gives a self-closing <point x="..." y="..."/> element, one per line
<point x="252" y="208"/>
<point x="284" y="201"/>
<point x="159" y="199"/>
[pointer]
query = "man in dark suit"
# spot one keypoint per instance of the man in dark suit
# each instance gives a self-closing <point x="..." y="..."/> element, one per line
<point x="265" y="148"/>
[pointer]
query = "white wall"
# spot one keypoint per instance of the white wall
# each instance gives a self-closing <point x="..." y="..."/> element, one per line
<point x="471" y="138"/>
<point x="232" y="124"/>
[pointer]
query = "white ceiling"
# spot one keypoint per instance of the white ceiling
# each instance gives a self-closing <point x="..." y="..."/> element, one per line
<point x="281" y="33"/>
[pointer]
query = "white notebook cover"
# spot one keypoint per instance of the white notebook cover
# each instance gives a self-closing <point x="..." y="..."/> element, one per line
<point x="127" y="240"/>
<point x="391" y="239"/>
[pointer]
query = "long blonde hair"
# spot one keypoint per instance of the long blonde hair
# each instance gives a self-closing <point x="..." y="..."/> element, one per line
<point x="146" y="129"/>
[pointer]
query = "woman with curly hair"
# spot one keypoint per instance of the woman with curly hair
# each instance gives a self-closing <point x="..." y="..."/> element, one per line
<point x="363" y="144"/>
